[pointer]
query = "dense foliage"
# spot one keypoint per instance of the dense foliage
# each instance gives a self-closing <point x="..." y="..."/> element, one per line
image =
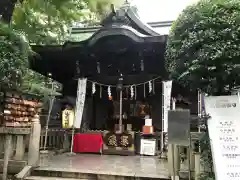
<point x="203" y="52"/>
<point x="206" y="158"/>
<point x="13" y="55"/>
<point x="48" y="22"/>
<point x="203" y="49"/>
<point x="41" y="22"/>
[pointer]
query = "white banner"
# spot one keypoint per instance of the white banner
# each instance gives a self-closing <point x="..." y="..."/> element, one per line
<point x="167" y="90"/>
<point x="224" y="135"/>
<point x="80" y="100"/>
<point x="201" y="111"/>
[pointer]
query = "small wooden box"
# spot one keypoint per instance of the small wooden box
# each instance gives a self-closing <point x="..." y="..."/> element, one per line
<point x="147" y="130"/>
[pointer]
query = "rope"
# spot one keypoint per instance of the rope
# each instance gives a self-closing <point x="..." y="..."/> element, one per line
<point x="127" y="86"/>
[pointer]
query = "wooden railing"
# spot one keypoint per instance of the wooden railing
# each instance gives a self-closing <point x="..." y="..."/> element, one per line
<point x="57" y="139"/>
<point x="19" y="147"/>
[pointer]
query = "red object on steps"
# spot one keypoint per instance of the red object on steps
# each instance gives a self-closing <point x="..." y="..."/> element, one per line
<point x="83" y="143"/>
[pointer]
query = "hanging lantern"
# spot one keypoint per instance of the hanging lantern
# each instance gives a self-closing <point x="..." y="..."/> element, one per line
<point x="93" y="88"/>
<point x="135" y="92"/>
<point x="144" y="90"/>
<point x="133" y="68"/>
<point x="150" y="86"/>
<point x="142" y="65"/>
<point x="120" y="83"/>
<point x="77" y="69"/>
<point x="98" y="68"/>
<point x="109" y="93"/>
<point x="153" y="86"/>
<point x="132" y="92"/>
<point x="100" y="91"/>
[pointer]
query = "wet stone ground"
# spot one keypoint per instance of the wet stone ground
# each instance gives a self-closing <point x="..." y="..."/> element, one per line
<point x="136" y="166"/>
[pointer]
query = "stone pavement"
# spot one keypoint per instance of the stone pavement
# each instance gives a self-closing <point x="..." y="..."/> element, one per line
<point x="135" y="166"/>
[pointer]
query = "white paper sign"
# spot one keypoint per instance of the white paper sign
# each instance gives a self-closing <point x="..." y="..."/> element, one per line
<point x="80" y="100"/>
<point x="148" y="122"/>
<point x="167" y="90"/>
<point x="224" y="132"/>
<point x="148" y="147"/>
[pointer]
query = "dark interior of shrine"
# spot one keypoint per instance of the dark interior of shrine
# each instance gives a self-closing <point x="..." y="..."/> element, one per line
<point x="133" y="50"/>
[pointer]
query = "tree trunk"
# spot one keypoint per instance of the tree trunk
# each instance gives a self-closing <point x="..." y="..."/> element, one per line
<point x="6" y="10"/>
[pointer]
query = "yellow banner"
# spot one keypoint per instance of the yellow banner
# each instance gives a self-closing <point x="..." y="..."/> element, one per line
<point x="67" y="118"/>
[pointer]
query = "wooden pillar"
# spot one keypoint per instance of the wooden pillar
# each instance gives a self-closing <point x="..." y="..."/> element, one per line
<point x="176" y="161"/>
<point x="197" y="165"/>
<point x="173" y="161"/>
<point x="192" y="158"/>
<point x="34" y="142"/>
<point x="66" y="143"/>
<point x="41" y="141"/>
<point x="20" y="148"/>
<point x="2" y="141"/>
<point x="7" y="152"/>
<point x="170" y="159"/>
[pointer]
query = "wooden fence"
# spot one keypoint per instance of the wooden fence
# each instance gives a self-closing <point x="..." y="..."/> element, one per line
<point x="19" y="147"/>
<point x="57" y="139"/>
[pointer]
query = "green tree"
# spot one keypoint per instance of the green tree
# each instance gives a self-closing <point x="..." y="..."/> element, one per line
<point x="98" y="6"/>
<point x="13" y="56"/>
<point x="43" y="22"/>
<point x="203" y="48"/>
<point x="48" y="22"/>
<point x="102" y="7"/>
<point x="203" y="52"/>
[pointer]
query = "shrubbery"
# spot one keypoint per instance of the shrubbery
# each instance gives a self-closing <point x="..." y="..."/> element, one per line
<point x="14" y="51"/>
<point x="203" y="50"/>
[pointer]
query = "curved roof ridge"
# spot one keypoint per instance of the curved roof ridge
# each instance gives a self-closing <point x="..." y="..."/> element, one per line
<point x="127" y="15"/>
<point x="133" y="16"/>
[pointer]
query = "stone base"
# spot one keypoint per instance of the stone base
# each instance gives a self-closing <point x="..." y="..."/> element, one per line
<point x="95" y="166"/>
<point x="163" y="155"/>
<point x="44" y="152"/>
<point x="13" y="166"/>
<point x="70" y="154"/>
<point x="88" y="176"/>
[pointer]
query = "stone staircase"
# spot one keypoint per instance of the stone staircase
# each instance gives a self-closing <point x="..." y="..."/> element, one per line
<point x="96" y="167"/>
<point x="67" y="175"/>
<point x="50" y="178"/>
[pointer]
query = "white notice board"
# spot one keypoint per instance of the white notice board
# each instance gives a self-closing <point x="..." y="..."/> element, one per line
<point x="224" y="132"/>
<point x="148" y="147"/>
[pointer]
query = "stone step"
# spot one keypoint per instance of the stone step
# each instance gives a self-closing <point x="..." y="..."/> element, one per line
<point x="63" y="174"/>
<point x="52" y="178"/>
<point x="72" y="175"/>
